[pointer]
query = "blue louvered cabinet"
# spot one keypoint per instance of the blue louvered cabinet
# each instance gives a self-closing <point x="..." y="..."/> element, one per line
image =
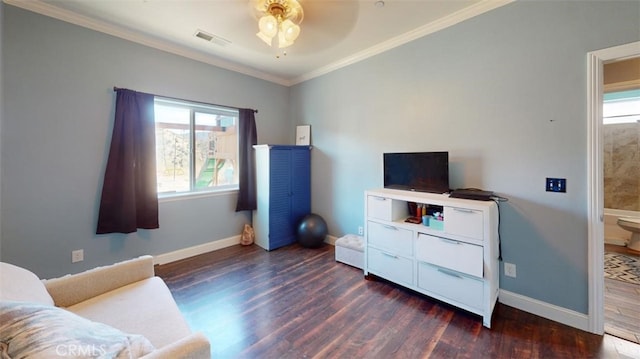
<point x="283" y="176"/>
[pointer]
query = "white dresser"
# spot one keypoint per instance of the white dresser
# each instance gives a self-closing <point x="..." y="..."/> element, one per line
<point x="454" y="259"/>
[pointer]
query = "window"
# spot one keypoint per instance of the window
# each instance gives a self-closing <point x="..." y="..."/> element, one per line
<point x="196" y="147"/>
<point x="621" y="107"/>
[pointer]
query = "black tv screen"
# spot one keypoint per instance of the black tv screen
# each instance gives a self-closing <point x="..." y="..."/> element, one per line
<point x="417" y="171"/>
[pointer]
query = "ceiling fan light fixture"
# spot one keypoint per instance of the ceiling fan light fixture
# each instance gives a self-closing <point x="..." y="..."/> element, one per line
<point x="278" y="19"/>
<point x="282" y="41"/>
<point x="267" y="40"/>
<point x="268" y="26"/>
<point x="290" y="30"/>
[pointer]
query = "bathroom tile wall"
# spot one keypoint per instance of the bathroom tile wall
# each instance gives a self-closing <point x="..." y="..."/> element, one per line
<point x="622" y="166"/>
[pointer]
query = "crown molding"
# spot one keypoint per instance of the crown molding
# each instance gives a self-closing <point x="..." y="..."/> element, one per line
<point x="430" y="28"/>
<point x="45" y="9"/>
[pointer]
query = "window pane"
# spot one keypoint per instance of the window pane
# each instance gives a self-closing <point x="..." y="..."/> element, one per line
<point x="216" y="151"/>
<point x="172" y="148"/>
<point x="621" y="111"/>
<point x="621" y="107"/>
<point x="196" y="146"/>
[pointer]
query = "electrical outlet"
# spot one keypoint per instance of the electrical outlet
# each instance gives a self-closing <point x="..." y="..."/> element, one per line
<point x="360" y="231"/>
<point x="510" y="270"/>
<point x="77" y="256"/>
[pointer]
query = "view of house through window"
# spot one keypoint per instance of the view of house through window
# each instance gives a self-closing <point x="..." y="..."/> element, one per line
<point x="196" y="147"/>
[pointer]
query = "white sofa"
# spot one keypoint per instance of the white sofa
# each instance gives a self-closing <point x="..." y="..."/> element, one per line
<point x="125" y="302"/>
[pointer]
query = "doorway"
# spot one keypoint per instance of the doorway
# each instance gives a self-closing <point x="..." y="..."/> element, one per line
<point x="595" y="67"/>
<point x="621" y="164"/>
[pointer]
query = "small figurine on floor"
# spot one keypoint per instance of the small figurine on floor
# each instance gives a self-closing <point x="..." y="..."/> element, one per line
<point x="248" y="235"/>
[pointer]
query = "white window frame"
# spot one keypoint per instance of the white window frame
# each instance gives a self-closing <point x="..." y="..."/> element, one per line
<point x="193" y="108"/>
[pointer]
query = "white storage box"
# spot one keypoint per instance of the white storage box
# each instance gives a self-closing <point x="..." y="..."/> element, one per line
<point x="350" y="250"/>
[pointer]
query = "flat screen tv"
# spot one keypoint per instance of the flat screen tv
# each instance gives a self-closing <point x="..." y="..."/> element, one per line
<point x="417" y="171"/>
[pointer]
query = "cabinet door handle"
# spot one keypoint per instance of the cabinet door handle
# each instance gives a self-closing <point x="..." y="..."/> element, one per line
<point x="450" y="241"/>
<point x="390" y="227"/>
<point x="389" y="255"/>
<point x="451" y="274"/>
<point x="463" y="210"/>
<point x="380" y="198"/>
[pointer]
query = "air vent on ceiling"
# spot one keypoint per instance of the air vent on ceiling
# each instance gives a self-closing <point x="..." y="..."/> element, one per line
<point x="212" y="38"/>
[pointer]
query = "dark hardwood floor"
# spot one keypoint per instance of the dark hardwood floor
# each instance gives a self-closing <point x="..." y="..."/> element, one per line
<point x="299" y="303"/>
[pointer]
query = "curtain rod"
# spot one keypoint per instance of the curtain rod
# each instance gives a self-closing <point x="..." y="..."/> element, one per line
<point x="181" y="99"/>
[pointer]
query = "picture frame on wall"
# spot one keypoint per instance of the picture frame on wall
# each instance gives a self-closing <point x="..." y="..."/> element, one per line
<point x="303" y="135"/>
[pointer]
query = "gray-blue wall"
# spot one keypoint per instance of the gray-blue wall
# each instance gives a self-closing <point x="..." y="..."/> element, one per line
<point x="505" y="94"/>
<point x="58" y="83"/>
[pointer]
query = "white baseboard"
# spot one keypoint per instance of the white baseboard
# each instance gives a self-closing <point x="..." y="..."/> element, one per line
<point x="545" y="310"/>
<point x="195" y="250"/>
<point x="208" y="247"/>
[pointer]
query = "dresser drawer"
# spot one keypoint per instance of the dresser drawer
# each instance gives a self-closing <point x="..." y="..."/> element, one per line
<point x="458" y="256"/>
<point x="386" y="209"/>
<point x="450" y="284"/>
<point x="390" y="266"/>
<point x="463" y="222"/>
<point x="390" y="238"/>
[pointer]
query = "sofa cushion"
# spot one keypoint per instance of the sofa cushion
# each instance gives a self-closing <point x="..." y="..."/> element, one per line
<point x="145" y="307"/>
<point x="19" y="284"/>
<point x="74" y="288"/>
<point x="42" y="331"/>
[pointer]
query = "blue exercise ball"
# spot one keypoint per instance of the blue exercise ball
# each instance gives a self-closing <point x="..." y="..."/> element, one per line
<point x="311" y="231"/>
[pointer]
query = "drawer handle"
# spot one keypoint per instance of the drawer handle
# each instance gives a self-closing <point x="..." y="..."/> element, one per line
<point x="450" y="241"/>
<point x="451" y="274"/>
<point x="380" y="198"/>
<point x="389" y="255"/>
<point x="390" y="227"/>
<point x="463" y="210"/>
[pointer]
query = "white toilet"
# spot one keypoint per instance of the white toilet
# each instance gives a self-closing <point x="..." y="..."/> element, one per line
<point x="632" y="225"/>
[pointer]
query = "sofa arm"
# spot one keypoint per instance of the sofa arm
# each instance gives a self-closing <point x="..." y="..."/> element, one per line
<point x="194" y="346"/>
<point x="75" y="288"/>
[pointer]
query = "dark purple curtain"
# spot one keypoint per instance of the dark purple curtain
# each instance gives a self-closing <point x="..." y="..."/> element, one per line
<point x="129" y="194"/>
<point x="247" y="139"/>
